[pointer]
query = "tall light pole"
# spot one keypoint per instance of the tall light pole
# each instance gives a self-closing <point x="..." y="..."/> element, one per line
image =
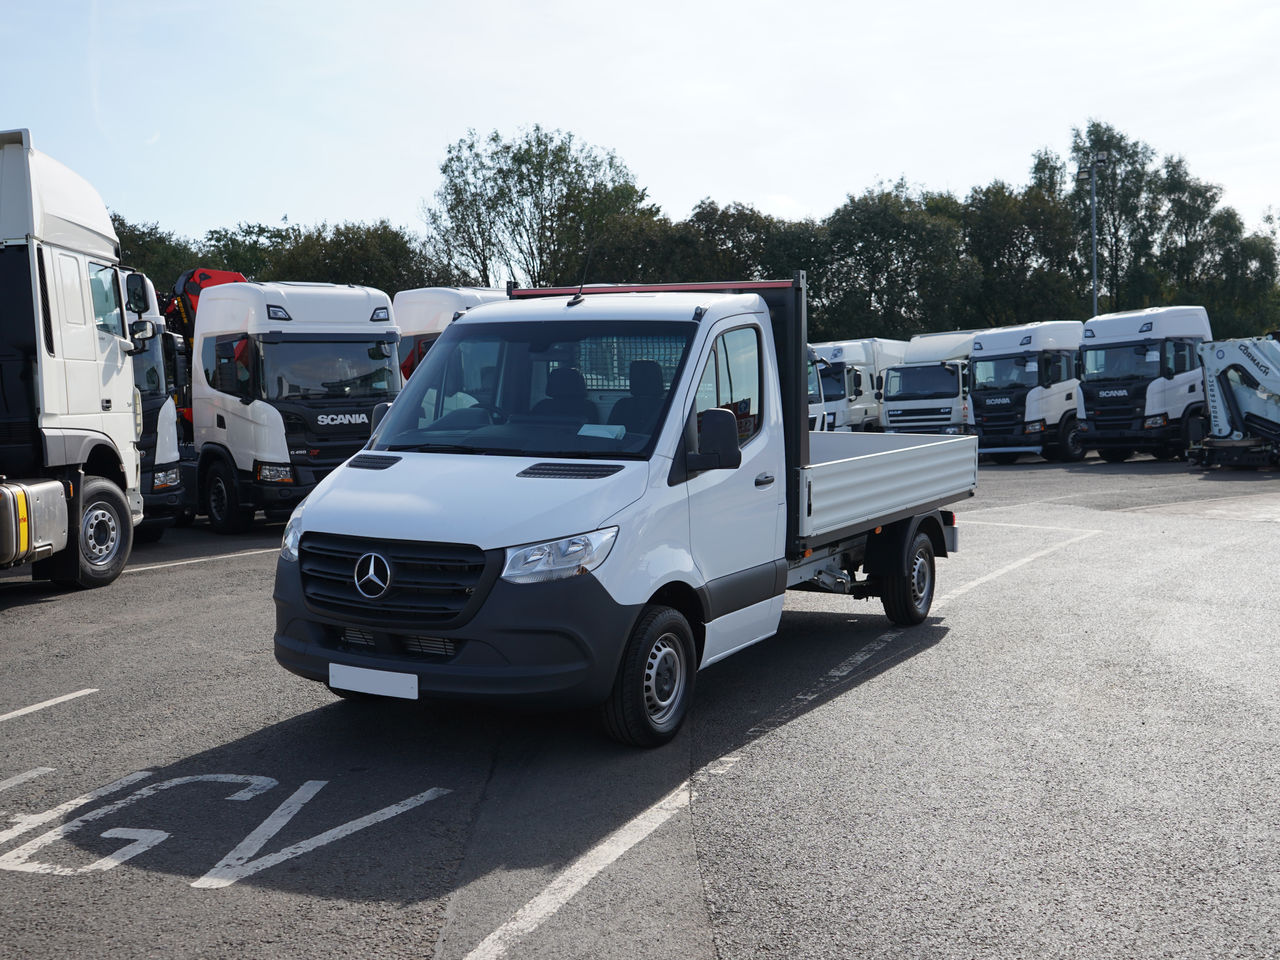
<point x="1097" y="161"/>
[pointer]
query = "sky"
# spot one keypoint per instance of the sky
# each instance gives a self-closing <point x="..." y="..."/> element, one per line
<point x="196" y="116"/>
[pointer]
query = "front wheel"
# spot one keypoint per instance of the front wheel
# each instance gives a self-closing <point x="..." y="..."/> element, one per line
<point x="222" y="501"/>
<point x="654" y="685"/>
<point x="1070" y="449"/>
<point x="104" y="538"/>
<point x="908" y="597"/>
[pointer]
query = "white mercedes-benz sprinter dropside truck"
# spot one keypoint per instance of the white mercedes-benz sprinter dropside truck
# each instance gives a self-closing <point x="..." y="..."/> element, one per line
<point x="627" y="506"/>
<point x="1023" y="388"/>
<point x="284" y="381"/>
<point x="69" y="413"/>
<point x="1141" y="384"/>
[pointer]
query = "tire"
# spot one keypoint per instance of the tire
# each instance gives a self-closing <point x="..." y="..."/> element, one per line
<point x="222" y="500"/>
<point x="1115" y="454"/>
<point x="654" y="686"/>
<point x="104" y="538"/>
<point x="908" y="597"/>
<point x="1069" y="449"/>
<point x="1004" y="459"/>
<point x="150" y="531"/>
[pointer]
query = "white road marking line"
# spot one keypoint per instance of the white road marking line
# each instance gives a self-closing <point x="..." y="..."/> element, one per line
<point x="1179" y="503"/>
<point x="48" y="703"/>
<point x="24" y="777"/>
<point x="1009" y="567"/>
<point x="583" y="870"/>
<point x="1022" y="526"/>
<point x="183" y="563"/>
<point x="22" y="823"/>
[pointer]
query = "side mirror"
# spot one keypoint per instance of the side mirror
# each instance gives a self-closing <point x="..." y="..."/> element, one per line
<point x="879" y="395"/>
<point x="879" y="383"/>
<point x="379" y="411"/>
<point x="717" y="443"/>
<point x="142" y="329"/>
<point x="136" y="299"/>
<point x="1167" y="373"/>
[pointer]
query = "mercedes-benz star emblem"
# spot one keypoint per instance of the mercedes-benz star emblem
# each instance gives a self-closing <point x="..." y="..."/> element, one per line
<point x="373" y="575"/>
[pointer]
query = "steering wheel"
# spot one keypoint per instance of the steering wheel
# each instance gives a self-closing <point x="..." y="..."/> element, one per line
<point x="496" y="414"/>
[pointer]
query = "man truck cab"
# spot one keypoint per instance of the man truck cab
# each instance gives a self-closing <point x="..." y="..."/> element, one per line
<point x="848" y="381"/>
<point x="1141" y="384"/>
<point x="929" y="391"/>
<point x="1024" y="389"/>
<point x="423" y="314"/>
<point x="285" y="380"/>
<point x="69" y="497"/>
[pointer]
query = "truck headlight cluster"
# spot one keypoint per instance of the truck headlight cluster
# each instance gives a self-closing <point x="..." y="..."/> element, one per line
<point x="164" y="478"/>
<point x="558" y="559"/>
<point x="1159" y="420"/>
<point x="275" y="473"/>
<point x="1035" y="426"/>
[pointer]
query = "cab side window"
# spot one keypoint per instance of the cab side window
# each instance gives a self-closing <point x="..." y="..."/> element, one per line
<point x="1185" y="357"/>
<point x="228" y="364"/>
<point x="731" y="380"/>
<point x="105" y="291"/>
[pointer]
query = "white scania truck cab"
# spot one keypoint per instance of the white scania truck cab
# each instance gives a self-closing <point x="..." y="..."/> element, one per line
<point x="1023" y="387"/>
<point x="929" y="391"/>
<point x="1141" y="386"/>
<point x="423" y="314"/>
<point x="69" y="415"/>
<point x="159" y="366"/>
<point x="627" y="507"/>
<point x="848" y="381"/>
<point x="285" y="379"/>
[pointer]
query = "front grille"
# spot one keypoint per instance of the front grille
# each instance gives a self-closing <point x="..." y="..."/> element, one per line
<point x="431" y="584"/>
<point x="370" y="642"/>
<point x="1119" y="413"/>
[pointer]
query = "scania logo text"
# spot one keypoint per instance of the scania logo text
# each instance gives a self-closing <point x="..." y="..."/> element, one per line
<point x="999" y="402"/>
<point x="1113" y="393"/>
<point x="334" y="419"/>
<point x="372" y="575"/>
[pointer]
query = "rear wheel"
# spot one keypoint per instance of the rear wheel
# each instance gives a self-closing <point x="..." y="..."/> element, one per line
<point x="222" y="501"/>
<point x="654" y="686"/>
<point x="1115" y="454"/>
<point x="908" y="597"/>
<point x="104" y="538"/>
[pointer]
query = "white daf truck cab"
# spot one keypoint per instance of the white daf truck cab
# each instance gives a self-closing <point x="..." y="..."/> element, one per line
<point x="69" y="413"/>
<point x="1141" y="386"/>
<point x="1242" y="397"/>
<point x="628" y="507"/>
<point x="1023" y="387"/>
<point x="848" y="381"/>
<point x="285" y="377"/>
<point x="424" y="313"/>
<point x="929" y="391"/>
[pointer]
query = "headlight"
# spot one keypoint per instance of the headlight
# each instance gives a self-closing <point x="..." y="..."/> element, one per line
<point x="1035" y="426"/>
<point x="275" y="473"/>
<point x="558" y="559"/>
<point x="164" y="478"/>
<point x="292" y="534"/>
<point x="1159" y="420"/>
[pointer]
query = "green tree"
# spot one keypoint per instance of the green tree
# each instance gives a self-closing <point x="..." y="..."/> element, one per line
<point x="161" y="255"/>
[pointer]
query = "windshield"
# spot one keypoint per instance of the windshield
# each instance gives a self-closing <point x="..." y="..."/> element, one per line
<point x="833" y="382"/>
<point x="310" y="369"/>
<point x="931" y="381"/>
<point x="148" y="369"/>
<point x="1004" y="373"/>
<point x="588" y="388"/>
<point x="1122" y="361"/>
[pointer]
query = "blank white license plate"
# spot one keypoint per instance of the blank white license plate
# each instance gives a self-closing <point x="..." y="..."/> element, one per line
<point x="383" y="683"/>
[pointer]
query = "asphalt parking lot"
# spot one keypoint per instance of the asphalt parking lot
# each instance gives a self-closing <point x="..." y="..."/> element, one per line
<point x="1075" y="756"/>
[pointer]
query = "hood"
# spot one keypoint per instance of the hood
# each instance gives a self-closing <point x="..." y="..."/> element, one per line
<point x="459" y="498"/>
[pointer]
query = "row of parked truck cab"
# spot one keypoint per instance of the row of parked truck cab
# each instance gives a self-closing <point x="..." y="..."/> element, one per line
<point x="1118" y="383"/>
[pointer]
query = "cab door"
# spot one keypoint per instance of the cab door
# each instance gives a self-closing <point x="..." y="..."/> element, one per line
<point x="737" y="517"/>
<point x="115" y="384"/>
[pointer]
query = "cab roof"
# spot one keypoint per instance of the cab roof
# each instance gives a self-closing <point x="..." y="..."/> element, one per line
<point x="1150" y="324"/>
<point x="1045" y="335"/>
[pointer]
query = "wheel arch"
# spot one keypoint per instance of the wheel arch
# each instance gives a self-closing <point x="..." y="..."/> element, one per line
<point x="682" y="597"/>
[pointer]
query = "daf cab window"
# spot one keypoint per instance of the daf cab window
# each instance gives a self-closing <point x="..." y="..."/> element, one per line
<point x="585" y="388"/>
<point x="930" y="381"/>
<point x="296" y="369"/>
<point x="731" y="380"/>
<point x="104" y="287"/>
<point x="1121" y="361"/>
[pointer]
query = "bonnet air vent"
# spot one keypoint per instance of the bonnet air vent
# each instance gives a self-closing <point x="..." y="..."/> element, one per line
<point x="373" y="461"/>
<point x="570" y="471"/>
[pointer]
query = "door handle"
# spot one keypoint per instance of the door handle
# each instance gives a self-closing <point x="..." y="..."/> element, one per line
<point x="106" y="404"/>
<point x="764" y="480"/>
<point x="222" y="424"/>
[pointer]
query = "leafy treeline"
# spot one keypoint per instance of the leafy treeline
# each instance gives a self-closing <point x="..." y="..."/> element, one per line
<point x="544" y="208"/>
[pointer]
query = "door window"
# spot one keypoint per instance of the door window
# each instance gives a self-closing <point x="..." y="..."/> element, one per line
<point x="731" y="380"/>
<point x="105" y="290"/>
<point x="228" y="365"/>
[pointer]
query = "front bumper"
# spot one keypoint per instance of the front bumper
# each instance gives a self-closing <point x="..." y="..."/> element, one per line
<point x="166" y="503"/>
<point x="1136" y="438"/>
<point x="554" y="644"/>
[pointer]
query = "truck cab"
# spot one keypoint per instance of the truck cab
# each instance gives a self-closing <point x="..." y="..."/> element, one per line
<point x="929" y="391"/>
<point x="1024" y="388"/>
<point x="1141" y="385"/>
<point x="848" y="381"/>
<point x="285" y="380"/>
<point x="424" y="313"/>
